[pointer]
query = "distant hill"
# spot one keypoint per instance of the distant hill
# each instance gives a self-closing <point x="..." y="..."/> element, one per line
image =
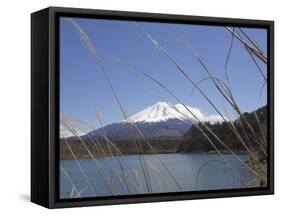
<point x="194" y="141"/>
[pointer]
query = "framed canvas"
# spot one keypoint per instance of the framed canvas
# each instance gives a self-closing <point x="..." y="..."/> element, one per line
<point x="138" y="107"/>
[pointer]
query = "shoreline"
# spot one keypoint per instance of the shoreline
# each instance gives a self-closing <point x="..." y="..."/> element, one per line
<point x="69" y="157"/>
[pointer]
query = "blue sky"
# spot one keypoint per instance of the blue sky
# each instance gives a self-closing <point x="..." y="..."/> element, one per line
<point x="83" y="87"/>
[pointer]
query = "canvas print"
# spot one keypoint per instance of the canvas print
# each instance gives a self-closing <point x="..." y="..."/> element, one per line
<point x="152" y="108"/>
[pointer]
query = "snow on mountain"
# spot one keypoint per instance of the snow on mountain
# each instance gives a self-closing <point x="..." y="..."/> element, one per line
<point x="162" y="111"/>
<point x="182" y="109"/>
<point x="214" y="119"/>
<point x="160" y="119"/>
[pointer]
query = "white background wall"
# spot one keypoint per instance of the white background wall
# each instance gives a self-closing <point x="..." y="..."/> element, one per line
<point x="15" y="107"/>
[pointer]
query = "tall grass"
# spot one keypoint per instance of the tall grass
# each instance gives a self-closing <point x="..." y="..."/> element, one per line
<point x="122" y="176"/>
<point x="225" y="91"/>
<point x="80" y="168"/>
<point x="75" y="193"/>
<point x="96" y="163"/>
<point x="223" y="88"/>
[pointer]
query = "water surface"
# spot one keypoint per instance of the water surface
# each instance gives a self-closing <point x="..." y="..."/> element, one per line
<point x="123" y="175"/>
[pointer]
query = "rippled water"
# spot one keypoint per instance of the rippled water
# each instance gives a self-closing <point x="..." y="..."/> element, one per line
<point x="180" y="172"/>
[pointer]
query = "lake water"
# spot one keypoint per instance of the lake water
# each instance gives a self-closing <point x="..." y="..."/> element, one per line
<point x="122" y="175"/>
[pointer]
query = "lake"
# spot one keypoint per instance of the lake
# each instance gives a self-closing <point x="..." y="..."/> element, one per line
<point x="134" y="174"/>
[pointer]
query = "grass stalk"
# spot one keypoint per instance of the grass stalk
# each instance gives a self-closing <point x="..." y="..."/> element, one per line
<point x="74" y="188"/>
<point x="252" y="49"/>
<point x="102" y="171"/>
<point x="122" y="177"/>
<point x="229" y="98"/>
<point x="80" y="168"/>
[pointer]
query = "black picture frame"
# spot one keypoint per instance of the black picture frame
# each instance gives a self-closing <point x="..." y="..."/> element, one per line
<point x="45" y="106"/>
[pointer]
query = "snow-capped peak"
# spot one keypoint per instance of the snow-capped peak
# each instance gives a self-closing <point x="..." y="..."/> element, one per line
<point x="162" y="111"/>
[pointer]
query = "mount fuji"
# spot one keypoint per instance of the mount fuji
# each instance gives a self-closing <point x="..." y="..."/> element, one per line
<point x="159" y="121"/>
<point x="162" y="111"/>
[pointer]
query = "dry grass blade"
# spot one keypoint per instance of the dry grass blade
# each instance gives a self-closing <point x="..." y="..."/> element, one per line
<point x="254" y="60"/>
<point x="227" y="60"/>
<point x="99" y="167"/>
<point x="122" y="177"/>
<point x="158" y="174"/>
<point x="74" y="188"/>
<point x="201" y="168"/>
<point x="224" y="86"/>
<point x="256" y="52"/>
<point x="255" y="43"/>
<point x="80" y="168"/>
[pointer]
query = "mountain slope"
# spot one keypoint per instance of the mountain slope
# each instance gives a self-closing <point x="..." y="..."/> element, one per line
<point x="160" y="130"/>
<point x="159" y="121"/>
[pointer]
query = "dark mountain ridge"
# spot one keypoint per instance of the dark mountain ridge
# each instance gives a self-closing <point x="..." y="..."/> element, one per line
<point x="164" y="136"/>
<point x="194" y="141"/>
<point x="173" y="128"/>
